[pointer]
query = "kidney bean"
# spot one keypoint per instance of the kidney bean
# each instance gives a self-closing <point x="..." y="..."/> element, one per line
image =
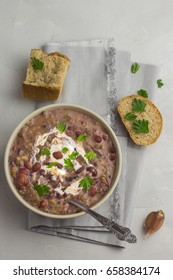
<point x="43" y="204"/>
<point x="46" y="162"/>
<point x="70" y="179"/>
<point x="42" y="172"/>
<point x="104" y="137"/>
<point x="59" y="165"/>
<point x="92" y="170"/>
<point x="79" y="170"/>
<point x="36" y="167"/>
<point x="22" y="181"/>
<point x="58" y="196"/>
<point x="89" y="169"/>
<point x="70" y="127"/>
<point x="57" y="155"/>
<point x="97" y="138"/>
<point x="27" y="164"/>
<point x="92" y="191"/>
<point x="78" y="132"/>
<point x="23" y="171"/>
<point x="112" y="157"/>
<point x="112" y="150"/>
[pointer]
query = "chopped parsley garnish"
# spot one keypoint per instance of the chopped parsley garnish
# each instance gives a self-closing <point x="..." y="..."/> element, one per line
<point x="42" y="189"/>
<point x="61" y="126"/>
<point x="45" y="151"/>
<point x="135" y="67"/>
<point x="90" y="155"/>
<point x="65" y="150"/>
<point x="140" y="126"/>
<point x="68" y="163"/>
<point x="138" y="105"/>
<point x="143" y="93"/>
<point x="81" y="137"/>
<point x="160" y="83"/>
<point x="52" y="164"/>
<point x="73" y="155"/>
<point x="37" y="64"/>
<point x="86" y="183"/>
<point x="130" y="116"/>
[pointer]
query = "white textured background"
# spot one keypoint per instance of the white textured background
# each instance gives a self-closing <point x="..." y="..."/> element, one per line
<point x="143" y="27"/>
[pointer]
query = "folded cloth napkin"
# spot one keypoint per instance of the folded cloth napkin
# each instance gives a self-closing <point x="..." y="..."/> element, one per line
<point x="99" y="76"/>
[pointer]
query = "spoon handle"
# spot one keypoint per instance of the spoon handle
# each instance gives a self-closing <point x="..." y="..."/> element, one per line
<point x="122" y="233"/>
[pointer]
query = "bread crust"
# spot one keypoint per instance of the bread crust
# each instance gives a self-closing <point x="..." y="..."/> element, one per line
<point x="60" y="55"/>
<point x="152" y="114"/>
<point x="39" y="92"/>
<point x="53" y="53"/>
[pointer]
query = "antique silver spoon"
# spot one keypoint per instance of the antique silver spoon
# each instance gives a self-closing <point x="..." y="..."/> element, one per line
<point x="122" y="233"/>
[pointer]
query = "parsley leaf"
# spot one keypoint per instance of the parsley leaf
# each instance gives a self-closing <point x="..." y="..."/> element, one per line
<point x="73" y="155"/>
<point x="140" y="126"/>
<point x="52" y="164"/>
<point x="37" y="64"/>
<point x="90" y="155"/>
<point x="45" y="151"/>
<point x="64" y="150"/>
<point x="42" y="189"/>
<point x="61" y="126"/>
<point x="86" y="183"/>
<point x="143" y="93"/>
<point x="135" y="67"/>
<point x="138" y="105"/>
<point x="130" y="116"/>
<point x="81" y="137"/>
<point x="68" y="163"/>
<point x="160" y="83"/>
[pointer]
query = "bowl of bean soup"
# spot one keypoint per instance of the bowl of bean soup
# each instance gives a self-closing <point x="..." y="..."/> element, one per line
<point x="59" y="153"/>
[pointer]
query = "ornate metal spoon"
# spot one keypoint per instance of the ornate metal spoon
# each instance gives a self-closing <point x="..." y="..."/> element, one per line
<point x="122" y="233"/>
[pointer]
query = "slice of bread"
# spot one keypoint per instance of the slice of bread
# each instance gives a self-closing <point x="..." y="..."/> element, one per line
<point x="151" y="114"/>
<point x="45" y="83"/>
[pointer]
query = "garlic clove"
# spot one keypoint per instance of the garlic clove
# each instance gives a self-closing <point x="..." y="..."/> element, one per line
<point x="154" y="221"/>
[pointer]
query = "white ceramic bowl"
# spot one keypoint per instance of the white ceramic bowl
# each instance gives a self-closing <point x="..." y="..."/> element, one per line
<point x="73" y="107"/>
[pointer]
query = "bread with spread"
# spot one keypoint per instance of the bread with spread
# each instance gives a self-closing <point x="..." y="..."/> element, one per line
<point x="45" y="76"/>
<point x="141" y="118"/>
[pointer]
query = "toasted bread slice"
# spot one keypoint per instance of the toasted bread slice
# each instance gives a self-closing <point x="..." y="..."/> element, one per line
<point x="45" y="83"/>
<point x="151" y="114"/>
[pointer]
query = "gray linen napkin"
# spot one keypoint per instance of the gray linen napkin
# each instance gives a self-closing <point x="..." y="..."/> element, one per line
<point x="98" y="77"/>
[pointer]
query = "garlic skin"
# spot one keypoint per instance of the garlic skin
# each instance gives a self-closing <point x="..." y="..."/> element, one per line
<point x="153" y="222"/>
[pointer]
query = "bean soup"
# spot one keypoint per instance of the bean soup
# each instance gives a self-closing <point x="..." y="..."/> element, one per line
<point x="62" y="154"/>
